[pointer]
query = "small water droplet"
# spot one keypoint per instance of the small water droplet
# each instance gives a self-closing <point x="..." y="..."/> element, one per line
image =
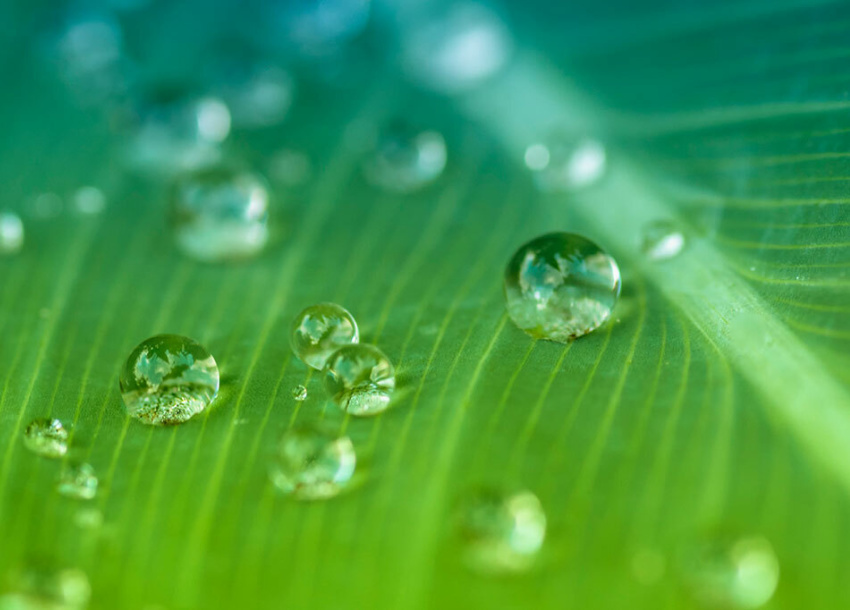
<point x="458" y="49"/>
<point x="319" y="330"/>
<point x="256" y="93"/>
<point x="360" y="379"/>
<point x="78" y="481"/>
<point x="406" y="159"/>
<point x="299" y="393"/>
<point x="88" y="518"/>
<point x="662" y="240"/>
<point x="290" y="167"/>
<point x="44" y="587"/>
<point x="561" y="286"/>
<point x="648" y="566"/>
<point x="89" y="200"/>
<point x="221" y="214"/>
<point x="312" y="465"/>
<point x="46" y="437"/>
<point x="167" y="379"/>
<point x="565" y="163"/>
<point x="724" y="573"/>
<point x="502" y="532"/>
<point x="11" y="233"/>
<point x="177" y="132"/>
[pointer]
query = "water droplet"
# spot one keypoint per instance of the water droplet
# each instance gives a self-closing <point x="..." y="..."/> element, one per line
<point x="299" y="393"/>
<point x="565" y="163"/>
<point x="11" y="233"/>
<point x="320" y="330"/>
<point x="648" y="566"/>
<point x="46" y="437"/>
<point x="561" y="286"/>
<point x="257" y="94"/>
<point x="406" y="159"/>
<point x="88" y="518"/>
<point x="457" y="50"/>
<point x="221" y="214"/>
<point x="739" y="573"/>
<point x="42" y="587"/>
<point x="89" y="200"/>
<point x="167" y="379"/>
<point x="662" y="240"/>
<point x="290" y="167"/>
<point x="78" y="481"/>
<point x="502" y="532"/>
<point x="177" y="132"/>
<point x="360" y="379"/>
<point x="45" y="206"/>
<point x="312" y="465"/>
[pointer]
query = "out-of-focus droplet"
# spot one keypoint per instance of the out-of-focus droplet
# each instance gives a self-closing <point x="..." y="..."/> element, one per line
<point x="89" y="200"/>
<point x="319" y="330"/>
<point x="45" y="206"/>
<point x="565" y="163"/>
<point x="360" y="379"/>
<point x="318" y="27"/>
<point x="501" y="532"/>
<point x="457" y="49"/>
<point x="78" y="481"/>
<point x="46" y="437"/>
<point x="167" y="379"/>
<point x="176" y="132"/>
<point x="88" y="518"/>
<point x="732" y="573"/>
<point x="561" y="286"/>
<point x="45" y="587"/>
<point x="406" y="159"/>
<point x="662" y="240"/>
<point x="290" y="167"/>
<point x="221" y="214"/>
<point x="11" y="233"/>
<point x="312" y="465"/>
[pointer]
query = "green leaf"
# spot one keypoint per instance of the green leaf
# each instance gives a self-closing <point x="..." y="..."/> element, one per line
<point x="715" y="404"/>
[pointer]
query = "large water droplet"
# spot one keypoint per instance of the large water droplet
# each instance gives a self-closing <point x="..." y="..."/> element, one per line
<point x="46" y="437"/>
<point x="502" y="532"/>
<point x="167" y="379"/>
<point x="177" y="132"/>
<point x="360" y="379"/>
<point x="662" y="240"/>
<point x="312" y="465"/>
<point x="725" y="573"/>
<point x="78" y="481"/>
<point x="319" y="330"/>
<point x="564" y="163"/>
<point x="221" y="214"/>
<point x="11" y="233"/>
<point x="458" y="49"/>
<point x="561" y="286"/>
<point x="43" y="587"/>
<point x="406" y="159"/>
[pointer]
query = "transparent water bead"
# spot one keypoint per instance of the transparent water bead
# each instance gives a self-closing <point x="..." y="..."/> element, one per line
<point x="47" y="437"/>
<point x="220" y="214"/>
<point x="177" y="131"/>
<point x="43" y="587"/>
<point x="457" y="49"/>
<point x="360" y="379"/>
<point x="167" y="379"/>
<point x="502" y="532"/>
<point x="565" y="163"/>
<point x="257" y="94"/>
<point x="299" y="393"/>
<point x="406" y="159"/>
<point x="321" y="329"/>
<point x="725" y="573"/>
<point x="78" y="481"/>
<point x="561" y="286"/>
<point x="662" y="240"/>
<point x="11" y="233"/>
<point x="312" y="465"/>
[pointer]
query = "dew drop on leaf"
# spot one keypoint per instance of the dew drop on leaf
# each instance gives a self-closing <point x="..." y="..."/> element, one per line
<point x="662" y="240"/>
<point x="319" y="330"/>
<point x="299" y="393"/>
<point x="311" y="464"/>
<point x="405" y="159"/>
<point x="11" y="233"/>
<point x="360" y="379"/>
<point x="47" y="437"/>
<point x="78" y="481"/>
